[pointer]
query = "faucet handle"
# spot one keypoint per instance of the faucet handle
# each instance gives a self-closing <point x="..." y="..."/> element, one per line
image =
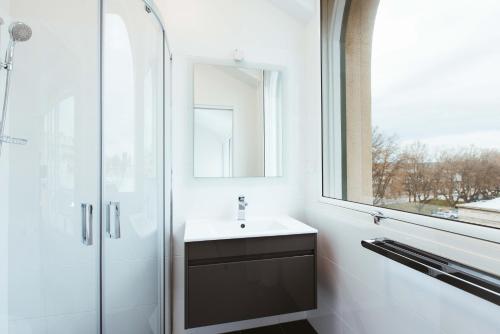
<point x="241" y="200"/>
<point x="242" y="204"/>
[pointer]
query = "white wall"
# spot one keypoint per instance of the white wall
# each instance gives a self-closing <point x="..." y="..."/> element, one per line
<point x="359" y="291"/>
<point x="363" y="292"/>
<point x="212" y="29"/>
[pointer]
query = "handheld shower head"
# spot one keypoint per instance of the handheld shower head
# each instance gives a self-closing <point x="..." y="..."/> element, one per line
<point x="20" y="32"/>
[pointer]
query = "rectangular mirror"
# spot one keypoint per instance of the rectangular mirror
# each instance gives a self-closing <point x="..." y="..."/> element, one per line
<point x="237" y="121"/>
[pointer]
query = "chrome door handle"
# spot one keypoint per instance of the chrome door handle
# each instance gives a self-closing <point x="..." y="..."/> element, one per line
<point x="87" y="217"/>
<point x="113" y="213"/>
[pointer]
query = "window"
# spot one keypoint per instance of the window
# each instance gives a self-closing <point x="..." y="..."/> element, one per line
<point x="411" y="106"/>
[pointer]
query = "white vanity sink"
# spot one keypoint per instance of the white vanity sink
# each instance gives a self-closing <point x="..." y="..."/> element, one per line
<point x="213" y="229"/>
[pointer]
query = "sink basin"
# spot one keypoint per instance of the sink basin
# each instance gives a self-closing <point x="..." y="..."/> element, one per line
<point x="252" y="226"/>
<point x="213" y="229"/>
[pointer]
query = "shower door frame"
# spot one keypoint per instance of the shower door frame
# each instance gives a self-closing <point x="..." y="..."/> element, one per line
<point x="166" y="269"/>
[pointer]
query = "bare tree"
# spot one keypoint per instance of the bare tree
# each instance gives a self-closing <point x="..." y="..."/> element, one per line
<point x="385" y="164"/>
<point x="417" y="173"/>
<point x="468" y="175"/>
<point x="449" y="178"/>
<point x="457" y="176"/>
<point x="489" y="174"/>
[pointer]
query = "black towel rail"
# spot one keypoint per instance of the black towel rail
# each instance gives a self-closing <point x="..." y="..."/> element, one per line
<point x="472" y="280"/>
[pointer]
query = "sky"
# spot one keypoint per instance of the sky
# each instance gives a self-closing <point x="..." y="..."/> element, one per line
<point x="436" y="72"/>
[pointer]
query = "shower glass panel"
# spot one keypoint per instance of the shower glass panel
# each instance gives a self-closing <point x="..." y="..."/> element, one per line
<point x="49" y="280"/>
<point x="133" y="169"/>
<point x="82" y="200"/>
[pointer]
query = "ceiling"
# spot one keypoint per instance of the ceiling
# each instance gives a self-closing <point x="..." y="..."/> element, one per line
<point x="303" y="10"/>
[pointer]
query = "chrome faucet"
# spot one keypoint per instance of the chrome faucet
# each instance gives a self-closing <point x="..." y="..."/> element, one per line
<point x="242" y="204"/>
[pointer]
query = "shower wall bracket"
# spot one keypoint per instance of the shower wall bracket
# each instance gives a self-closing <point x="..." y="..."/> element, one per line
<point x="12" y="140"/>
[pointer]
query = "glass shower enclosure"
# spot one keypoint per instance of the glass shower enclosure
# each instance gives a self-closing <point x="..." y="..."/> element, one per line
<point x="85" y="230"/>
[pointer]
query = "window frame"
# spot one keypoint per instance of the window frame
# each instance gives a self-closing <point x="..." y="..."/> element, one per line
<point x="333" y="135"/>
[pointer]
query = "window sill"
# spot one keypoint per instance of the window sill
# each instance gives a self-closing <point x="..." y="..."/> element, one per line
<point x="480" y="232"/>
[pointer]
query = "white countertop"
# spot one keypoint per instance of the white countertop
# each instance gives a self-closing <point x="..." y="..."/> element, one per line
<point x="216" y="229"/>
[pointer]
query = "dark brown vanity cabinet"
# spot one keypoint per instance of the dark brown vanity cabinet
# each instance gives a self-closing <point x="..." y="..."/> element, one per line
<point x="239" y="279"/>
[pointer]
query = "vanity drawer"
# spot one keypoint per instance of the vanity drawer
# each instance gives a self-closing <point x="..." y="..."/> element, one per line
<point x="233" y="291"/>
<point x="300" y="244"/>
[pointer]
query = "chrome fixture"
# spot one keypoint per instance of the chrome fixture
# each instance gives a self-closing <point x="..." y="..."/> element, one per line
<point x="113" y="207"/>
<point x="87" y="218"/>
<point x="377" y="217"/>
<point x="242" y="204"/>
<point x="19" y="32"/>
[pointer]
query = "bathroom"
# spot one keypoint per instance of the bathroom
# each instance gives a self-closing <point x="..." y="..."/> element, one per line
<point x="357" y="194"/>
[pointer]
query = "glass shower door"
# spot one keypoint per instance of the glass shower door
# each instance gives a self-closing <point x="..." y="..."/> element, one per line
<point x="49" y="262"/>
<point x="133" y="169"/>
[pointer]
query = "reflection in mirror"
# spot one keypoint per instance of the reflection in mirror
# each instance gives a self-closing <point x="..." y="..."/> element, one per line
<point x="237" y="121"/>
<point x="214" y="135"/>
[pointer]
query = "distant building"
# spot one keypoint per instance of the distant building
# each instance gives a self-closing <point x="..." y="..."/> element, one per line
<point x="482" y="212"/>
